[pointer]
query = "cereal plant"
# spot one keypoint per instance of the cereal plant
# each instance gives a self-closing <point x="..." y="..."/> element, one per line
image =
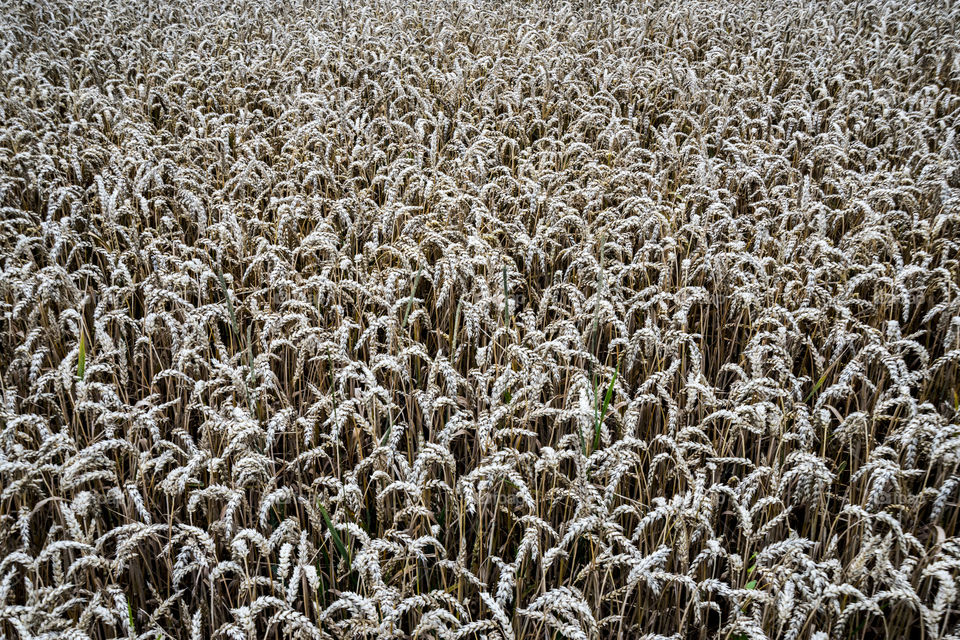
<point x="460" y="319"/>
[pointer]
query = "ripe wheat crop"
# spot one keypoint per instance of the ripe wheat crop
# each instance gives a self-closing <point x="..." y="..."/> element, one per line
<point x="459" y="319"/>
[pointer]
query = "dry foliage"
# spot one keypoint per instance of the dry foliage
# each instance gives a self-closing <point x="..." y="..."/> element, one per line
<point x="444" y="319"/>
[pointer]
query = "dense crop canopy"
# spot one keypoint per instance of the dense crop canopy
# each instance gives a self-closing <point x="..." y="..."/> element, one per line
<point x="447" y="319"/>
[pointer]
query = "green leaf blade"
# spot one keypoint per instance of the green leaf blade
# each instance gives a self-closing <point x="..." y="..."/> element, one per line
<point x="82" y="357"/>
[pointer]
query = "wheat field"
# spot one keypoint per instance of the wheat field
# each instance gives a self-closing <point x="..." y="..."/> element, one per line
<point x="463" y="319"/>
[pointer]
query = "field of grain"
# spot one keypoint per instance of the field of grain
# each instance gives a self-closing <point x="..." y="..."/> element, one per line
<point x="463" y="319"/>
